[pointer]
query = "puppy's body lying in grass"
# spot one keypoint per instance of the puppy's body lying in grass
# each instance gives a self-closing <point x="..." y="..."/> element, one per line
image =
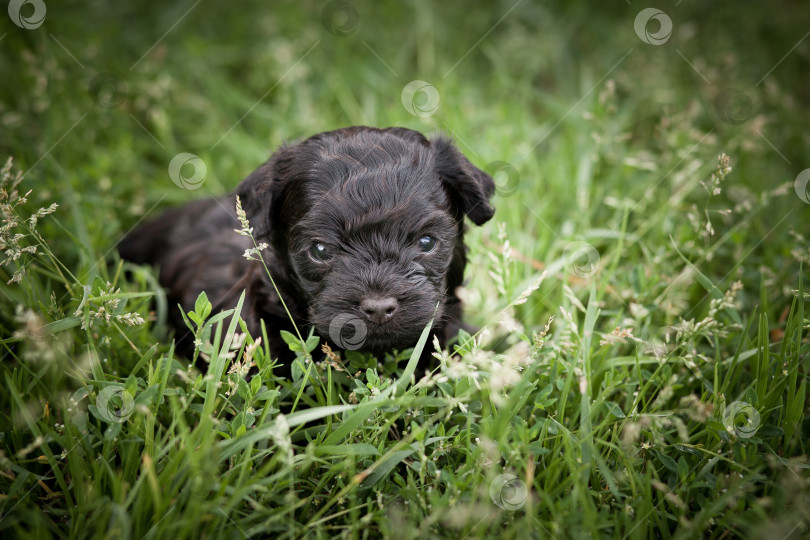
<point x="365" y="231"/>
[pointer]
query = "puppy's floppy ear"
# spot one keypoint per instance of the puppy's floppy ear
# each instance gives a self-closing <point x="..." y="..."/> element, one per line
<point x="261" y="191"/>
<point x="470" y="186"/>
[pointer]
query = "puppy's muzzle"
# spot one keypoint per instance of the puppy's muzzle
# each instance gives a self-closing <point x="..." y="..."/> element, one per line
<point x="379" y="310"/>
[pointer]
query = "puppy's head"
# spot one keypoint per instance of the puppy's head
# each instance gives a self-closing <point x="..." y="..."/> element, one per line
<point x="370" y="225"/>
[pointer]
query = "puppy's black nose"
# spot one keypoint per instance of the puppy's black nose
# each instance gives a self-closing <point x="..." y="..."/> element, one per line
<point x="379" y="310"/>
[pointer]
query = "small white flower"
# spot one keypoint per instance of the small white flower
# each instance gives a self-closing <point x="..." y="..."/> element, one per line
<point x="252" y="254"/>
<point x="246" y="229"/>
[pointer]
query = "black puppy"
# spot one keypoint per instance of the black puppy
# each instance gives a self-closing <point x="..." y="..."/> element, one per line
<point x="365" y="229"/>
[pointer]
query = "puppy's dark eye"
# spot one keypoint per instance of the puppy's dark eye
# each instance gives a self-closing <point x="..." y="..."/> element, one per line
<point x="320" y="252"/>
<point x="427" y="244"/>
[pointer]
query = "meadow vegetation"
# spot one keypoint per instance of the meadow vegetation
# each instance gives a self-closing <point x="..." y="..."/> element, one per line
<point x="642" y="365"/>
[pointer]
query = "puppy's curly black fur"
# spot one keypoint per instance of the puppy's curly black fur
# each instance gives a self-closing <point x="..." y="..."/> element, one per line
<point x="366" y="235"/>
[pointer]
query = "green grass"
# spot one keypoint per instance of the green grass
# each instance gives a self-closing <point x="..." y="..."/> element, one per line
<point x="667" y="398"/>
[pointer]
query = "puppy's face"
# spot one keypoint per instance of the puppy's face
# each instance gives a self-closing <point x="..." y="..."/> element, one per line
<point x="376" y="246"/>
<point x="371" y="224"/>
